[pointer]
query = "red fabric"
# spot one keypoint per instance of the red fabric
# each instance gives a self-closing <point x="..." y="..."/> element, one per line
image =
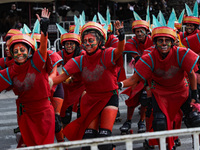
<point x="169" y="87"/>
<point x="91" y="105"/>
<point x="112" y="41"/>
<point x="136" y="47"/>
<point x="30" y="83"/>
<point x="98" y="73"/>
<point x="74" y="90"/>
<point x="6" y="62"/>
<point x="37" y="125"/>
<point x="192" y="41"/>
<point x="177" y="121"/>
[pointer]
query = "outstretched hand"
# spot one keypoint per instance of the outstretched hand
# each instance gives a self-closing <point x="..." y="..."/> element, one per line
<point x="44" y="14"/>
<point x="118" y="25"/>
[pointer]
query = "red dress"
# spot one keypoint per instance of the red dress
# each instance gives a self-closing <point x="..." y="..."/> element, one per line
<point x="169" y="85"/>
<point x="74" y="90"/>
<point x="191" y="41"/>
<point x="35" y="113"/>
<point x="134" y="46"/>
<point x="98" y="73"/>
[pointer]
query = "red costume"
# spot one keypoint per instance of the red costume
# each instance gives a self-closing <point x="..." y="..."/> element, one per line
<point x="169" y="85"/>
<point x="30" y="83"/>
<point x="98" y="73"/>
<point x="6" y="62"/>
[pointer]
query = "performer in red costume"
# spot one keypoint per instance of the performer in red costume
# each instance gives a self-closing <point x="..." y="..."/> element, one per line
<point x="166" y="65"/>
<point x="8" y="60"/>
<point x="191" y="37"/>
<point x="99" y="105"/>
<point x="57" y="93"/>
<point x="137" y="95"/>
<point x="29" y="79"/>
<point x="73" y="87"/>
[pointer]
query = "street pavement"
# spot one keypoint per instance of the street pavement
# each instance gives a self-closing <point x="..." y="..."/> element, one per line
<point x="8" y="122"/>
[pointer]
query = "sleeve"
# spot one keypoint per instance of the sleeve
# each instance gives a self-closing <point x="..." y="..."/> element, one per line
<point x="114" y="42"/>
<point x="52" y="60"/>
<point x="37" y="61"/>
<point x="145" y="66"/>
<point x="192" y="42"/>
<point x="5" y="79"/>
<point x="131" y="46"/>
<point x="2" y="63"/>
<point x="74" y="65"/>
<point x="107" y="58"/>
<point x="187" y="59"/>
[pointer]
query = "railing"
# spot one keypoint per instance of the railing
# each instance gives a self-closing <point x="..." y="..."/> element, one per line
<point x="2" y="43"/>
<point x="127" y="139"/>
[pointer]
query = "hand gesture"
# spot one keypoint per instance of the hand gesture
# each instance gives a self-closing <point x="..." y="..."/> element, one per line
<point x="44" y="14"/>
<point x="118" y="26"/>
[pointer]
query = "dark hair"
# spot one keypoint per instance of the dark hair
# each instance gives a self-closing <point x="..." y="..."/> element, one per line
<point x="98" y="35"/>
<point x="77" y="48"/>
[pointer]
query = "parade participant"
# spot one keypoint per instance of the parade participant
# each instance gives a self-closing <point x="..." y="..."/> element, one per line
<point x="98" y="72"/>
<point x="57" y="93"/>
<point x="8" y="60"/>
<point x="73" y="87"/>
<point x="136" y="46"/>
<point x="191" y="37"/>
<point x="178" y="22"/>
<point x="166" y="65"/>
<point x="29" y="79"/>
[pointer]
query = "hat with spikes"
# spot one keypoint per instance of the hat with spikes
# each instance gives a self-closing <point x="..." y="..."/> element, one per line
<point x="192" y="17"/>
<point x="160" y="28"/>
<point x="178" y="22"/>
<point x="138" y="23"/>
<point x="69" y="36"/>
<point x="72" y="27"/>
<point x="106" y="23"/>
<point x="36" y="31"/>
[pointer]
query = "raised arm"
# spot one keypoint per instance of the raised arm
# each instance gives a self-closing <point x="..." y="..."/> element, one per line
<point x="44" y="22"/>
<point x="119" y="27"/>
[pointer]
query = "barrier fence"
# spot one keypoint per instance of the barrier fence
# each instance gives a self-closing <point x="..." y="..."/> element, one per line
<point x="127" y="139"/>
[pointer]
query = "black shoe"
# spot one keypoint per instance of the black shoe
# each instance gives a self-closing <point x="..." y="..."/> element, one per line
<point x="177" y="142"/>
<point x="141" y="126"/>
<point x="125" y="127"/>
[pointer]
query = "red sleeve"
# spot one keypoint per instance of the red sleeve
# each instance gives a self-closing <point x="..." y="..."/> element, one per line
<point x="74" y="65"/>
<point x="53" y="58"/>
<point x="192" y="42"/>
<point x="2" y="63"/>
<point x="108" y="57"/>
<point x="187" y="59"/>
<point x="131" y="46"/>
<point x="37" y="61"/>
<point x="144" y="66"/>
<point x="5" y="79"/>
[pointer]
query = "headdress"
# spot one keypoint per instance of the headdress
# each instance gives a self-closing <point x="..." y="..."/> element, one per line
<point x="192" y="17"/>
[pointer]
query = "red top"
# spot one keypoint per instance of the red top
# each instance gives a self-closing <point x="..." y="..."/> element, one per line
<point x="112" y="41"/>
<point x="136" y="47"/>
<point x="6" y="62"/>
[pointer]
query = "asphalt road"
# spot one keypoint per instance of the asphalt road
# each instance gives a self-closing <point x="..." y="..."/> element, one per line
<point x="8" y="122"/>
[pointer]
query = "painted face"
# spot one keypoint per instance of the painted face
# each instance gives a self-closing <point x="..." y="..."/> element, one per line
<point x="140" y="34"/>
<point x="20" y="53"/>
<point x="70" y="47"/>
<point x="189" y="28"/>
<point x="163" y="44"/>
<point x="7" y="50"/>
<point x="90" y="43"/>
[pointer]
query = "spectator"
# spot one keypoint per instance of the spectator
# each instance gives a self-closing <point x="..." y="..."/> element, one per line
<point x="73" y="12"/>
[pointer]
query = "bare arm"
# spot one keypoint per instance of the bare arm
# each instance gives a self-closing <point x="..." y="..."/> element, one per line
<point x="121" y="44"/>
<point x="132" y="81"/>
<point x="58" y="79"/>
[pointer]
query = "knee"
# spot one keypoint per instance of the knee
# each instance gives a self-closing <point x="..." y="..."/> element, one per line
<point x="159" y="122"/>
<point x="68" y="116"/>
<point x="58" y="124"/>
<point x="192" y="119"/>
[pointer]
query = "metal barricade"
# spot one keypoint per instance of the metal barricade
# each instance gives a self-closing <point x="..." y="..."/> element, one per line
<point x="2" y="43"/>
<point x="127" y="139"/>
